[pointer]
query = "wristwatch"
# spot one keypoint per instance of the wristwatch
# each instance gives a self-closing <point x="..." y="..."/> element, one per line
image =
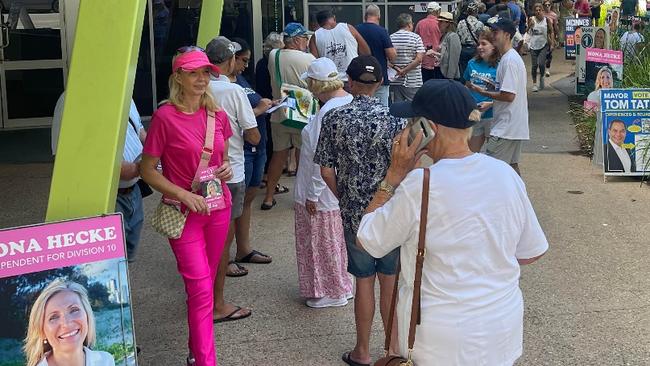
<point x="385" y="187"/>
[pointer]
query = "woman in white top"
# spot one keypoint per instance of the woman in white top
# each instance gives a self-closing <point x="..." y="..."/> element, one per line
<point x="540" y="43"/>
<point x="604" y="80"/>
<point x="320" y="245"/>
<point x="62" y="328"/>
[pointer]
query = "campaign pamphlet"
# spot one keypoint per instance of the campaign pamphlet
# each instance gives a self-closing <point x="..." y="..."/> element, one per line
<point x="573" y="34"/>
<point x="211" y="190"/>
<point x="626" y="131"/>
<point x="82" y="259"/>
<point x="606" y="65"/>
<point x="590" y="37"/>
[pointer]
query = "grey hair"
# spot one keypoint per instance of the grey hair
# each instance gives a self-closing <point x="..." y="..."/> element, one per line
<point x="372" y="10"/>
<point x="403" y="20"/>
<point x="273" y="40"/>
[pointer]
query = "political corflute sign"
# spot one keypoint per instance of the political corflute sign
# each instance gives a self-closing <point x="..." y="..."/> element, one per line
<point x="626" y="131"/>
<point x="63" y="288"/>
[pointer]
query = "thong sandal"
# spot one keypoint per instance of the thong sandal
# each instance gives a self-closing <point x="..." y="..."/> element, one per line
<point x="249" y="258"/>
<point x="346" y="358"/>
<point x="231" y="317"/>
<point x="241" y="270"/>
<point x="280" y="189"/>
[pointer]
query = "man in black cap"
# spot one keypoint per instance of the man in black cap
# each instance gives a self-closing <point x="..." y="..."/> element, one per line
<point x="354" y="153"/>
<point x="480" y="228"/>
<point x="510" y="126"/>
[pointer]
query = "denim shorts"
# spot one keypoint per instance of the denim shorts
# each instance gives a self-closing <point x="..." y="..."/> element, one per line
<point x="361" y="264"/>
<point x="254" y="167"/>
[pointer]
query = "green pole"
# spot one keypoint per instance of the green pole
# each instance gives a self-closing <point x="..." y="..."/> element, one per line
<point x="99" y="90"/>
<point x="210" y="22"/>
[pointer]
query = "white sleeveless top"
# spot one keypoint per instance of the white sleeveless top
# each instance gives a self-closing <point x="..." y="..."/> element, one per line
<point x="538" y="35"/>
<point x="337" y="44"/>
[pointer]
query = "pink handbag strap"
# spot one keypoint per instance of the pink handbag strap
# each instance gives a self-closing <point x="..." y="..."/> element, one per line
<point x="206" y="152"/>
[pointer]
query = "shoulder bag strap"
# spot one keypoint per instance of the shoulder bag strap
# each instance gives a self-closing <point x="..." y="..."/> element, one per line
<point x="278" y="75"/>
<point x="206" y="152"/>
<point x="471" y="32"/>
<point x="419" y="262"/>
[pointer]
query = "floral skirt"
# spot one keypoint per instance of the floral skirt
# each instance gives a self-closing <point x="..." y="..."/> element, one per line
<point x="321" y="254"/>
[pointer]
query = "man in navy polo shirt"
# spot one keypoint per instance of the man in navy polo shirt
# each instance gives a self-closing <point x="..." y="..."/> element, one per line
<point x="380" y="47"/>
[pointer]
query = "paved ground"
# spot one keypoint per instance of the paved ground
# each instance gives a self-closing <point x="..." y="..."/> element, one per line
<point x="586" y="300"/>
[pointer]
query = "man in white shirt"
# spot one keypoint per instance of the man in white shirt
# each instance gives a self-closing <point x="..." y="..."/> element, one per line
<point x="510" y="126"/>
<point x="480" y="229"/>
<point x="617" y="158"/>
<point x="232" y="98"/>
<point x="632" y="41"/>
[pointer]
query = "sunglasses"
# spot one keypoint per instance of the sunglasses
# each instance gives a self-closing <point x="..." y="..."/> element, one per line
<point x="186" y="49"/>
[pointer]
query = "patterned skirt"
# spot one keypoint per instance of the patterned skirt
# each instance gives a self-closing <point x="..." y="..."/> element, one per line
<point x="321" y="254"/>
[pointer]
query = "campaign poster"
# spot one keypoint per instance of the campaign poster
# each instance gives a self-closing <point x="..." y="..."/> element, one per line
<point x="64" y="287"/>
<point x="591" y="37"/>
<point x="572" y="35"/>
<point x="603" y="69"/>
<point x="612" y="19"/>
<point x="626" y="131"/>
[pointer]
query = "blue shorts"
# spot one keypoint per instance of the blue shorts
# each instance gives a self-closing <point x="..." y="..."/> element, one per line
<point x="254" y="167"/>
<point x="361" y="264"/>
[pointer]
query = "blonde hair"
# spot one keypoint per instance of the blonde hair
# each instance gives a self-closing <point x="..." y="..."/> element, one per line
<point x="597" y="84"/>
<point x="176" y="95"/>
<point x="318" y="86"/>
<point x="35" y="346"/>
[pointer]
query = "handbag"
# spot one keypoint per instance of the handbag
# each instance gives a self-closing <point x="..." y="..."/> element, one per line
<point x="389" y="360"/>
<point x="169" y="220"/>
<point x="301" y="103"/>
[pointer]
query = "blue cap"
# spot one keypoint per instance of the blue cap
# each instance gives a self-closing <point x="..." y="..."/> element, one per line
<point x="295" y="30"/>
<point x="442" y="101"/>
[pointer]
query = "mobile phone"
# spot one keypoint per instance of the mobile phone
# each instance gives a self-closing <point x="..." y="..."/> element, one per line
<point x="420" y="124"/>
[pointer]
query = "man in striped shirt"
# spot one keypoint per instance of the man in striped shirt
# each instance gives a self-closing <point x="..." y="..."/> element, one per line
<point x="410" y="51"/>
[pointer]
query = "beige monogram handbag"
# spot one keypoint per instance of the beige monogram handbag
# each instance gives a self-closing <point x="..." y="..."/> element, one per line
<point x="168" y="219"/>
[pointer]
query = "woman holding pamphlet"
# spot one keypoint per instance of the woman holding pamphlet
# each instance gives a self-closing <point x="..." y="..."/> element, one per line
<point x="62" y="328"/>
<point x="189" y="137"/>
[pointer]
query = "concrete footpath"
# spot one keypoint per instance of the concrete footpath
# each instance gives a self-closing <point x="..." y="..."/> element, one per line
<point x="586" y="302"/>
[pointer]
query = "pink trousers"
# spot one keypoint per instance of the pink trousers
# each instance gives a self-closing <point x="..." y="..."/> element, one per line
<point x="198" y="252"/>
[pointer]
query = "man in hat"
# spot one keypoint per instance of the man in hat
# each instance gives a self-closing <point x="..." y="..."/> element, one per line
<point x="290" y="63"/>
<point x="510" y="126"/>
<point x="429" y="31"/>
<point x="354" y="152"/>
<point x="232" y="98"/>
<point x="480" y="229"/>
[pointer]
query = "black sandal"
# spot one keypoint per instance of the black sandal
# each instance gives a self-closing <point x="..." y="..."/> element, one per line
<point x="279" y="189"/>
<point x="267" y="206"/>
<point x="242" y="270"/>
<point x="249" y="258"/>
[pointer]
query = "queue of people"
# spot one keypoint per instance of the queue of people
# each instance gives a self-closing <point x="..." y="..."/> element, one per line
<point x="357" y="195"/>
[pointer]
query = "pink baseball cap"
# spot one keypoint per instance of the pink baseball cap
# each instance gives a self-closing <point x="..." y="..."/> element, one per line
<point x="192" y="60"/>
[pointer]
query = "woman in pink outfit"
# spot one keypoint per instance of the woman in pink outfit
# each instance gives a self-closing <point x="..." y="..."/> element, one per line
<point x="176" y="138"/>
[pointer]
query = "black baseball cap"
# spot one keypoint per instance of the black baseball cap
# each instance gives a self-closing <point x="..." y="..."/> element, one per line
<point x="443" y="101"/>
<point x="365" y="69"/>
<point x="505" y="25"/>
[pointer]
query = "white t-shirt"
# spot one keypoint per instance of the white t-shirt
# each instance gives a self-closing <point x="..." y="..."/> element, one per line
<point x="232" y="98"/>
<point x="511" y="118"/>
<point x="309" y="182"/>
<point x="480" y="221"/>
<point x="629" y="41"/>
